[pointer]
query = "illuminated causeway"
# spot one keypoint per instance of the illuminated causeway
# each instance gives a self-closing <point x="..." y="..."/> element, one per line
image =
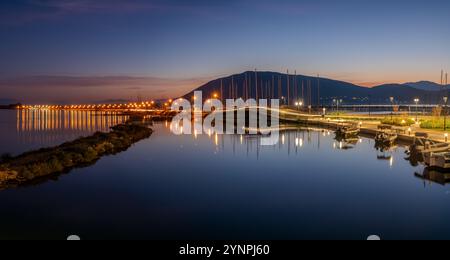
<point x="128" y="106"/>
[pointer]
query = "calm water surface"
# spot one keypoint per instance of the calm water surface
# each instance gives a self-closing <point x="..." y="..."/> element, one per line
<point x="229" y="187"/>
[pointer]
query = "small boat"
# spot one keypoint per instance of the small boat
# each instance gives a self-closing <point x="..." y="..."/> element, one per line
<point x="429" y="147"/>
<point x="386" y="138"/>
<point x="347" y="131"/>
<point x="438" y="160"/>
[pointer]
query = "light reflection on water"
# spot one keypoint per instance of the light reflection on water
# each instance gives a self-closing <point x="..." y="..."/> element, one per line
<point x="33" y="129"/>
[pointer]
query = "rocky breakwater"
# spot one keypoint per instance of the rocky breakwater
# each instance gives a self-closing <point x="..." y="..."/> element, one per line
<point x="82" y="152"/>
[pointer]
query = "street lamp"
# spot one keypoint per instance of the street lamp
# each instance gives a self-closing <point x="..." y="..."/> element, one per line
<point x="298" y="104"/>
<point x="417" y="108"/>
<point x="445" y="113"/>
<point x="392" y="102"/>
<point x="339" y="101"/>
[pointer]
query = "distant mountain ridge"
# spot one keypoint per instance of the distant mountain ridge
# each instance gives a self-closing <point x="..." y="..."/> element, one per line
<point x="427" y="85"/>
<point x="315" y="91"/>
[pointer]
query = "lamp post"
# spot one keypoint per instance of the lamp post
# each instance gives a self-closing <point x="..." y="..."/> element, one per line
<point x="392" y="103"/>
<point x="338" y="102"/>
<point x="300" y="103"/>
<point x="417" y="108"/>
<point x="445" y="113"/>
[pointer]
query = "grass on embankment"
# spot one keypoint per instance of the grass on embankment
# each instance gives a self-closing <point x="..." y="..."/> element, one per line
<point x="435" y="124"/>
<point x="81" y="152"/>
<point x="398" y="121"/>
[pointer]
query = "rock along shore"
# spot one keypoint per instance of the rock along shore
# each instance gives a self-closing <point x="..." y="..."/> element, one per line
<point x="79" y="153"/>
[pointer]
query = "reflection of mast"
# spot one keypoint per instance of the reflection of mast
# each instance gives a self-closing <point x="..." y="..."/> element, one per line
<point x="289" y="143"/>
<point x="318" y="140"/>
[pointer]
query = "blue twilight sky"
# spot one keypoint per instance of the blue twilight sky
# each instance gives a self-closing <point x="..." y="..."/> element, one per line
<point x="161" y="48"/>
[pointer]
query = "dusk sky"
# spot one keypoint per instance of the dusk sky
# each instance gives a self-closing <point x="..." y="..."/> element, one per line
<point x="92" y="50"/>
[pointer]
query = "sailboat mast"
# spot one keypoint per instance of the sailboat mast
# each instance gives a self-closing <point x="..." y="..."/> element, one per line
<point x="288" y="89"/>
<point x="256" y="85"/>
<point x="318" y="91"/>
<point x="221" y="90"/>
<point x="295" y="87"/>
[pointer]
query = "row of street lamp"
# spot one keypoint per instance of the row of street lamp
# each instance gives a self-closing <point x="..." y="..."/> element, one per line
<point x="416" y="100"/>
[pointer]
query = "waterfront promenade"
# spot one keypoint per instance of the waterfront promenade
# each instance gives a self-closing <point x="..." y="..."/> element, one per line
<point x="367" y="123"/>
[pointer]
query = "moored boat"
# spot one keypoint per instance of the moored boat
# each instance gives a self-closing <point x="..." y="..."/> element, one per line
<point x="386" y="138"/>
<point x="347" y="131"/>
<point x="438" y="160"/>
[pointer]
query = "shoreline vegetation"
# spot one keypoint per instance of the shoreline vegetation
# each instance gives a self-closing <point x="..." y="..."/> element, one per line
<point x="85" y="151"/>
